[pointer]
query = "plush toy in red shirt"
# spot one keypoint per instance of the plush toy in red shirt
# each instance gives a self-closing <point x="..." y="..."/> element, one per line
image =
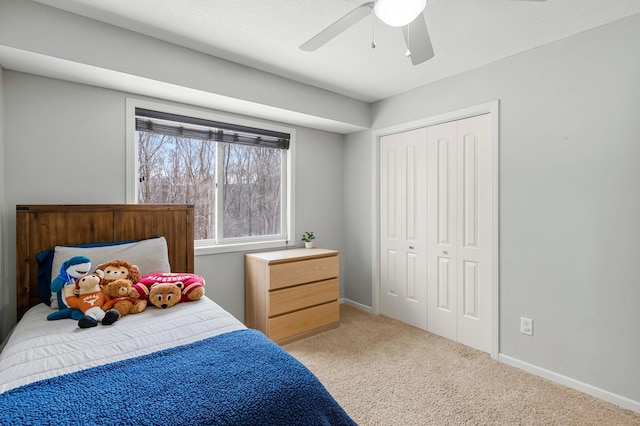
<point x="193" y="285"/>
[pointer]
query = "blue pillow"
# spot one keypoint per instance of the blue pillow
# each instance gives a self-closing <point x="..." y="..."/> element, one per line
<point x="45" y="263"/>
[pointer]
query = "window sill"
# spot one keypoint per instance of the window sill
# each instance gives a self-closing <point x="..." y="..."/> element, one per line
<point x="232" y="248"/>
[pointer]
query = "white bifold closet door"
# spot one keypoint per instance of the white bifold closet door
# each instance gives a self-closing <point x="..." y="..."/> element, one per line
<point x="436" y="229"/>
<point x="403" y="229"/>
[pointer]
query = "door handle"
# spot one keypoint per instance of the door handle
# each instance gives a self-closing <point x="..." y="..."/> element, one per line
<point x="411" y="248"/>
<point x="445" y="252"/>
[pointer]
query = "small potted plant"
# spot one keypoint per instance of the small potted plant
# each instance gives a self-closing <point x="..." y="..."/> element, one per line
<point x="308" y="238"/>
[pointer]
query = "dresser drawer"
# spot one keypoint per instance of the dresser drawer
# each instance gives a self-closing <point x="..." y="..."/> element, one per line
<point x="303" y="271"/>
<point x="285" y="326"/>
<point x="299" y="297"/>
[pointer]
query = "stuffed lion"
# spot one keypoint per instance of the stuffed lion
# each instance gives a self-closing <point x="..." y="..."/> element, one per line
<point x="119" y="276"/>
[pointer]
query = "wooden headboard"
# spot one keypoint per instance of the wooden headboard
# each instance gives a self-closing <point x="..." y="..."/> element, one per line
<point x="40" y="227"/>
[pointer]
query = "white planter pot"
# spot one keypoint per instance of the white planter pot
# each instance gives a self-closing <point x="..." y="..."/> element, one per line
<point x="308" y="244"/>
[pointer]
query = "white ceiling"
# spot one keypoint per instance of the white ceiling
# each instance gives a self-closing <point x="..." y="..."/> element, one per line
<point x="266" y="34"/>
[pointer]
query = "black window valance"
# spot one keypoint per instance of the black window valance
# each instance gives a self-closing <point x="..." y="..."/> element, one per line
<point x="203" y="129"/>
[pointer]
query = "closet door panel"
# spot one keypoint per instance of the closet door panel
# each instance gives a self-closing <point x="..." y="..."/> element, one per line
<point x="403" y="229"/>
<point x="414" y="176"/>
<point x="475" y="221"/>
<point x="391" y="227"/>
<point x="441" y="252"/>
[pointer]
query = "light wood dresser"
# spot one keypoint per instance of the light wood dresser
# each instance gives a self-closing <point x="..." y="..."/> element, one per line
<point x="292" y="293"/>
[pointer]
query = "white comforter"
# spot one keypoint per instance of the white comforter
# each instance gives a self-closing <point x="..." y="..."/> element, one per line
<point x="39" y="349"/>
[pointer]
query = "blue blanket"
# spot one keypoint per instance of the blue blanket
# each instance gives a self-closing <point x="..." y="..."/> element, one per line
<point x="237" y="378"/>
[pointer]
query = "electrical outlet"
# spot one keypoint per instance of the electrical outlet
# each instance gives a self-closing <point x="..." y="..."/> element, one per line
<point x="526" y="326"/>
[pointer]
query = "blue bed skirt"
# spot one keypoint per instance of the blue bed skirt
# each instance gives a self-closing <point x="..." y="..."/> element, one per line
<point x="237" y="378"/>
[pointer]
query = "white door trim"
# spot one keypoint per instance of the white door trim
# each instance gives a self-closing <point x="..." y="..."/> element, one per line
<point x="493" y="108"/>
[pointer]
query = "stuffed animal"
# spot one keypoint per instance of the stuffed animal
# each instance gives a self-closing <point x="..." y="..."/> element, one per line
<point x="165" y="295"/>
<point x="121" y="269"/>
<point x="120" y="291"/>
<point x="193" y="285"/>
<point x="90" y="301"/>
<point x="63" y="286"/>
<point x="117" y="269"/>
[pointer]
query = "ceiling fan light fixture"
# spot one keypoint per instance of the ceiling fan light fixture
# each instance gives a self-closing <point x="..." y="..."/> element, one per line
<point x="398" y="13"/>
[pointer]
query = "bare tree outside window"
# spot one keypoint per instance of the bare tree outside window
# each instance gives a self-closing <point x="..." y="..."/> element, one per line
<point x="251" y="191"/>
<point x="177" y="169"/>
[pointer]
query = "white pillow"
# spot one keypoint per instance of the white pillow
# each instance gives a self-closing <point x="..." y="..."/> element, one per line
<point x="150" y="255"/>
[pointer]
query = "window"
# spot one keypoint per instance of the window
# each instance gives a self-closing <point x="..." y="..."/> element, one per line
<point x="234" y="173"/>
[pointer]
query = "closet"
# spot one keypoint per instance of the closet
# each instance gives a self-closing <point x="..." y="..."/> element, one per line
<point x="436" y="229"/>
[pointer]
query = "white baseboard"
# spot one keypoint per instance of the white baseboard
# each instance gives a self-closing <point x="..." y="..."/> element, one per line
<point x="572" y="383"/>
<point x="360" y="306"/>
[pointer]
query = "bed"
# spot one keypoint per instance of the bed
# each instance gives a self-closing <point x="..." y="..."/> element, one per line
<point x="193" y="363"/>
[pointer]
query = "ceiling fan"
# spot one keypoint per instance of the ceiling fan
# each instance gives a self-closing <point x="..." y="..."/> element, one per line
<point x="407" y="14"/>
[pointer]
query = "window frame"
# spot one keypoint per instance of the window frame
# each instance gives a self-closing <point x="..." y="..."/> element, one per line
<point x="225" y="245"/>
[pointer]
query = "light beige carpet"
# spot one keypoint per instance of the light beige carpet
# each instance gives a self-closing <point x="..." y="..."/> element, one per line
<point x="384" y="372"/>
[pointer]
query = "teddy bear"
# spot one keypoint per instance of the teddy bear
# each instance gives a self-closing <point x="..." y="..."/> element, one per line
<point x="120" y="290"/>
<point x="193" y="285"/>
<point x="90" y="300"/>
<point x="63" y="286"/>
<point x="116" y="269"/>
<point x="119" y="269"/>
<point x="165" y="295"/>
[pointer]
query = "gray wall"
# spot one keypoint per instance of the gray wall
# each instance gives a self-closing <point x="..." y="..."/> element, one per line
<point x="358" y="217"/>
<point x="65" y="143"/>
<point x="569" y="199"/>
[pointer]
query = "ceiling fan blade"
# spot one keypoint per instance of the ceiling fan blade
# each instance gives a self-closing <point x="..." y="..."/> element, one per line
<point x="338" y="27"/>
<point x="416" y="36"/>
